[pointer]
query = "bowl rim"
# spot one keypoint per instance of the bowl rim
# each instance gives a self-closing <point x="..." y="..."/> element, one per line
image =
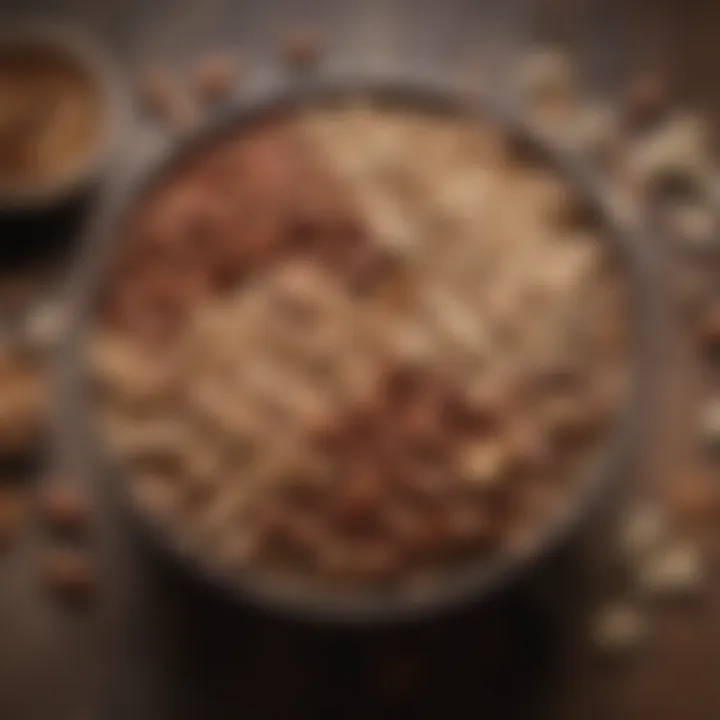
<point x="476" y="579"/>
<point x="81" y="49"/>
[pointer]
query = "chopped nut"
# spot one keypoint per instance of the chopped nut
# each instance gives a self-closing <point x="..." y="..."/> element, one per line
<point x="64" y="507"/>
<point x="70" y="574"/>
<point x="619" y="628"/>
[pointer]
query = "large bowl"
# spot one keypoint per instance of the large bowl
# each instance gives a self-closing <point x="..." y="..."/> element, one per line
<point x="474" y="580"/>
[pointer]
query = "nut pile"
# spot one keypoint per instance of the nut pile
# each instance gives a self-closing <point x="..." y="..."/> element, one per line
<point x="242" y="207"/>
<point x="325" y="354"/>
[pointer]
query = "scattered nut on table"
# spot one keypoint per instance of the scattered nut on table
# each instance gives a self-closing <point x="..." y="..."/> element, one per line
<point x="710" y="423"/>
<point x="546" y="74"/>
<point x="646" y="98"/>
<point x="70" y="574"/>
<point x="23" y="402"/>
<point x="12" y="512"/>
<point x="64" y="507"/>
<point x="676" y="570"/>
<point x="619" y="627"/>
<point x="162" y="96"/>
<point x="644" y="529"/>
<point x="214" y="76"/>
<point x="302" y="48"/>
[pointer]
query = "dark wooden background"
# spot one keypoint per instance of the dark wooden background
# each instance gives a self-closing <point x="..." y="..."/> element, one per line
<point x="156" y="648"/>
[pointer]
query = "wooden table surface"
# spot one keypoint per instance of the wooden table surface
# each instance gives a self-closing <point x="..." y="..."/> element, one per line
<point x="158" y="648"/>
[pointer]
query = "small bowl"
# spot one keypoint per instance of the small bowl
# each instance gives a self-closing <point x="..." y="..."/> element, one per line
<point x="73" y="47"/>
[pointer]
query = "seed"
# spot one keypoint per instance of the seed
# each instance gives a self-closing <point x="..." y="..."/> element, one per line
<point x="70" y="574"/>
<point x="214" y="77"/>
<point x="64" y="507"/>
<point x="619" y="628"/>
<point x="302" y="49"/>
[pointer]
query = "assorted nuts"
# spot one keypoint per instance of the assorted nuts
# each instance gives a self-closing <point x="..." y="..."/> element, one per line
<point x="323" y="354"/>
